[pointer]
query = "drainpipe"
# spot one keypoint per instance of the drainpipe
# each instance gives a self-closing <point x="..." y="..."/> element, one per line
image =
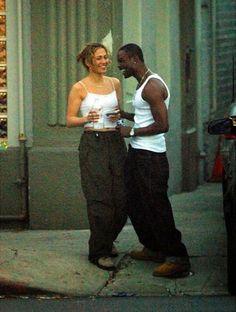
<point x="22" y="180"/>
<point x="214" y="89"/>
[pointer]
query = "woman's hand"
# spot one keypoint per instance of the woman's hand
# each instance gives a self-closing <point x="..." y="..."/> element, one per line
<point x="94" y="115"/>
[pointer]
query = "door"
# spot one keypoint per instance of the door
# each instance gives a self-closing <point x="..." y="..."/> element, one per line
<point x="189" y="104"/>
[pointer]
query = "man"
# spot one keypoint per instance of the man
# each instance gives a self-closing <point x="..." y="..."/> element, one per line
<point x="147" y="169"/>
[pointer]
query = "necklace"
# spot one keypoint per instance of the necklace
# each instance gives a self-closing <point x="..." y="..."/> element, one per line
<point x="142" y="78"/>
<point x="99" y="86"/>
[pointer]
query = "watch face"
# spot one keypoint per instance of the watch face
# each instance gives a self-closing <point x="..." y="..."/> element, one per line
<point x="131" y="132"/>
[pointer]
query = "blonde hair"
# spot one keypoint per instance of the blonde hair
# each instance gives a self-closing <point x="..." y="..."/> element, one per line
<point x="86" y="55"/>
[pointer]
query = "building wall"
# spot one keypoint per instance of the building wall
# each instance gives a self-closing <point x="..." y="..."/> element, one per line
<point x="221" y="38"/>
<point x="204" y="40"/>
<point x="55" y="196"/>
<point x="51" y="39"/>
<point x="59" y="30"/>
<point x="168" y="64"/>
<point x="225" y="49"/>
<point x="155" y="27"/>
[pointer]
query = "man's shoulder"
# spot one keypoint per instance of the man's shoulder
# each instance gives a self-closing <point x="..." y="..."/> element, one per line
<point x="155" y="82"/>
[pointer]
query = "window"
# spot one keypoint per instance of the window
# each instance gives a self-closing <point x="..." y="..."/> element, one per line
<point x="3" y="76"/>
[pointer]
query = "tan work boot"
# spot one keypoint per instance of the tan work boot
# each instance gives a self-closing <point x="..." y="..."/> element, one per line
<point x="114" y="251"/>
<point x="146" y="254"/>
<point x="172" y="270"/>
<point x="106" y="263"/>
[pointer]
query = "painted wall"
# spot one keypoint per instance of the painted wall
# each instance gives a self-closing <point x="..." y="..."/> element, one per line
<point x="168" y="64"/>
<point x="55" y="196"/>
<point x="219" y="39"/>
<point x="155" y="27"/>
<point x="59" y="31"/>
<point x="51" y="40"/>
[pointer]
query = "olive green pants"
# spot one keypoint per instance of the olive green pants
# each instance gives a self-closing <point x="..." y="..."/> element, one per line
<point x="102" y="156"/>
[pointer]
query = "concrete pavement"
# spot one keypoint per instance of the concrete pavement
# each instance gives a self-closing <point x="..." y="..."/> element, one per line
<point x="54" y="263"/>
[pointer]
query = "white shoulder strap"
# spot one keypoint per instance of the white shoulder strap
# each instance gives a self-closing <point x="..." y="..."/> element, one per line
<point x="84" y="85"/>
<point x="112" y="82"/>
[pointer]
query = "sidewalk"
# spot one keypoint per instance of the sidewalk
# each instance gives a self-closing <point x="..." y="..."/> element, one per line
<point x="55" y="262"/>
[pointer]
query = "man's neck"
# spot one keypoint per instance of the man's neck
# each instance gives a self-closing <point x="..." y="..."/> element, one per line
<point x="141" y="72"/>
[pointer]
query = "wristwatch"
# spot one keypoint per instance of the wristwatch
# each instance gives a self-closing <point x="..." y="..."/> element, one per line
<point x="131" y="132"/>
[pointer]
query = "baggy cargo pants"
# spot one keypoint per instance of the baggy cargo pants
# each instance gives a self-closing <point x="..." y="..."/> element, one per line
<point x="148" y="205"/>
<point x="102" y="156"/>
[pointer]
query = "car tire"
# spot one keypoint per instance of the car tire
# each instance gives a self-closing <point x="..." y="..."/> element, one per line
<point x="231" y="264"/>
<point x="229" y="202"/>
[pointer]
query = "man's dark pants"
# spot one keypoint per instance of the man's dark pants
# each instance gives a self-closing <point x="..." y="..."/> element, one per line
<point x="149" y="209"/>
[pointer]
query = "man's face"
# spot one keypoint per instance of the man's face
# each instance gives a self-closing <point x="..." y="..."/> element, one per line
<point x="125" y="64"/>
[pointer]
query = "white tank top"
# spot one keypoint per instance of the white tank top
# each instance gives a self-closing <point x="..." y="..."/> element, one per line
<point x="108" y="103"/>
<point x="143" y="118"/>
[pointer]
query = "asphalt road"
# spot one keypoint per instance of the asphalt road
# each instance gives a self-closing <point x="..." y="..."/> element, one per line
<point x="118" y="304"/>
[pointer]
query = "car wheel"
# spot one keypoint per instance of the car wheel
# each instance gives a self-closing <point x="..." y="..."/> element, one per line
<point x="231" y="264"/>
<point x="229" y="193"/>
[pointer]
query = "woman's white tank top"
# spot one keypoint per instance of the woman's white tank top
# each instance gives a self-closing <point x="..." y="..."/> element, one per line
<point x="108" y="103"/>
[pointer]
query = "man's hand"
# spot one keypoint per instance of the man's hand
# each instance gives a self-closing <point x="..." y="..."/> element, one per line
<point x="125" y="131"/>
<point x="114" y="115"/>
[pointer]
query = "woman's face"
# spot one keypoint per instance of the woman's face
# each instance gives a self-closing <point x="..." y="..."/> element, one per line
<point x="99" y="61"/>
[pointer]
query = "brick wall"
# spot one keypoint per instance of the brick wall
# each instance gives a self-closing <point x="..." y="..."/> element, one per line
<point x="225" y="49"/>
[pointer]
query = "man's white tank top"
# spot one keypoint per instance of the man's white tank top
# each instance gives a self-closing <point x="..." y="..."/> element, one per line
<point x="143" y="118"/>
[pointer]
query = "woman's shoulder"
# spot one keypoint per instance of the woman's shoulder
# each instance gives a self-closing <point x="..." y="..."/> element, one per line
<point x="115" y="81"/>
<point x="79" y="89"/>
<point x="80" y="85"/>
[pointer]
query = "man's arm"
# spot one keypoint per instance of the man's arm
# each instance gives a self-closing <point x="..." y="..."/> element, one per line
<point x="126" y="115"/>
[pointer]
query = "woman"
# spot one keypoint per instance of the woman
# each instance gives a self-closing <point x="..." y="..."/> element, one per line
<point x="102" y="152"/>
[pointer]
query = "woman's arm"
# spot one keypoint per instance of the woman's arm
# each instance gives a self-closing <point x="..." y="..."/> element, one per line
<point x="74" y="102"/>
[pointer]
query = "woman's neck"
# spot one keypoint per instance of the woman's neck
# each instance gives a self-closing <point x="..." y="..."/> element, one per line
<point x="97" y="81"/>
<point x="96" y="78"/>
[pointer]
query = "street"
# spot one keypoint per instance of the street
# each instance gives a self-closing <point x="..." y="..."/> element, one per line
<point x="131" y="304"/>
